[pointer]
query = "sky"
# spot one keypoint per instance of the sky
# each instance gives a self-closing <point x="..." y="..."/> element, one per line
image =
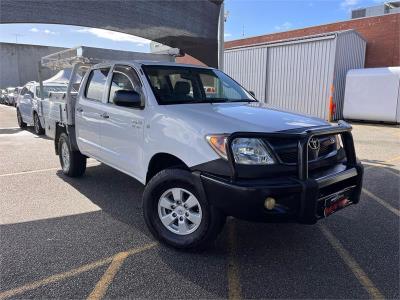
<point x="245" y="18"/>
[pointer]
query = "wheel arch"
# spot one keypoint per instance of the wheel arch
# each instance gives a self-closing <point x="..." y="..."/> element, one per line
<point x="161" y="161"/>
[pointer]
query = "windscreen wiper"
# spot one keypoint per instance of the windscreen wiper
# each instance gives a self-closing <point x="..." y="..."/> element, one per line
<point x="222" y="100"/>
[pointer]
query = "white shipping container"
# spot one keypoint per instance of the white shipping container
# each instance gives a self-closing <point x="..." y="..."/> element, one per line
<point x="373" y="95"/>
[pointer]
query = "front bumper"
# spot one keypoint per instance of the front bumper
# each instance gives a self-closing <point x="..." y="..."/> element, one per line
<point x="301" y="201"/>
<point x="304" y="197"/>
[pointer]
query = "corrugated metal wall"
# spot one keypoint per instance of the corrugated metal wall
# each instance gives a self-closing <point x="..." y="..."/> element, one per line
<point x="248" y="67"/>
<point x="350" y="54"/>
<point x="297" y="75"/>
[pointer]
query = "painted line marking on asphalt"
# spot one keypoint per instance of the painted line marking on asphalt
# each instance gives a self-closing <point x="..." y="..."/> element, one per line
<point x="358" y="272"/>
<point x="101" y="287"/>
<point x="393" y="159"/>
<point x="71" y="273"/>
<point x="377" y="165"/>
<point x="382" y="202"/>
<point x="390" y="171"/>
<point x="38" y="171"/>
<point x="234" y="289"/>
<point x="105" y="281"/>
<point x="6" y="128"/>
<point x="29" y="172"/>
<point x="55" y="278"/>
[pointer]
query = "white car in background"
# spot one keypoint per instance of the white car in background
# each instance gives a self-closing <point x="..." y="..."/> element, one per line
<point x="10" y="96"/>
<point x="29" y="102"/>
<point x="14" y="98"/>
<point x="3" y="96"/>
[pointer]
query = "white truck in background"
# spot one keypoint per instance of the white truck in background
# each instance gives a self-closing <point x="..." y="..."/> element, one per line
<point x="32" y="107"/>
<point x="201" y="144"/>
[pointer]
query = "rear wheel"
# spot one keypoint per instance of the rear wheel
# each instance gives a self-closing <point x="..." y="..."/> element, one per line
<point x="177" y="213"/>
<point x="73" y="163"/>
<point x="21" y="123"/>
<point x="39" y="130"/>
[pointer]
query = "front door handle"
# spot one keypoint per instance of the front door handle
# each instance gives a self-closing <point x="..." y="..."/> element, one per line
<point x="79" y="109"/>
<point x="104" y="115"/>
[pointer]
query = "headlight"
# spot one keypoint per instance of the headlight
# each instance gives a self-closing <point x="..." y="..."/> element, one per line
<point x="246" y="151"/>
<point x="249" y="151"/>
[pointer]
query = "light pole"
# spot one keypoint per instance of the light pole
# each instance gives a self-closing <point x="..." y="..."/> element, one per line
<point x="17" y="52"/>
<point x="221" y="24"/>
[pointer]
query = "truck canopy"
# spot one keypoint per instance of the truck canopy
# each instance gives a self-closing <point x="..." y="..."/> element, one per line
<point x="91" y="56"/>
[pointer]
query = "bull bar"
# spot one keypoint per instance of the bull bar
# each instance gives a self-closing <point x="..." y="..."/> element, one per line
<point x="312" y="190"/>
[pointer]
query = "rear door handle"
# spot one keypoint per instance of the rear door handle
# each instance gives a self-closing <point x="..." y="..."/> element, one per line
<point x="79" y="109"/>
<point x="104" y="115"/>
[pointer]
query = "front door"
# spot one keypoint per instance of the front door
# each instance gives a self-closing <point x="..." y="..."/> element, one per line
<point x="25" y="104"/>
<point x="123" y="127"/>
<point x="88" y="112"/>
<point x="23" y="101"/>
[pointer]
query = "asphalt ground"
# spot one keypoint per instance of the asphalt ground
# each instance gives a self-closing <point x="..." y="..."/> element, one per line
<point x="86" y="238"/>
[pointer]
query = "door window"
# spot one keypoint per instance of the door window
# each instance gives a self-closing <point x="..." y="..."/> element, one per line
<point x="124" y="78"/>
<point x="31" y="89"/>
<point x="96" y="84"/>
<point x="24" y="91"/>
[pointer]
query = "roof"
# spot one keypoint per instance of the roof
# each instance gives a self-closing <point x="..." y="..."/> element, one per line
<point x="294" y="39"/>
<point x="191" y="27"/>
<point x="172" y="64"/>
<point x="91" y="56"/>
<point x="389" y="71"/>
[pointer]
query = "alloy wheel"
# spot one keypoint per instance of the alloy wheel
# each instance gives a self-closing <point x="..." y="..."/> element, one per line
<point x="179" y="211"/>
<point x="65" y="156"/>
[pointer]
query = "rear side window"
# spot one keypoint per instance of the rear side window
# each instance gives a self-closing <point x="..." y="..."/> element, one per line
<point x="96" y="84"/>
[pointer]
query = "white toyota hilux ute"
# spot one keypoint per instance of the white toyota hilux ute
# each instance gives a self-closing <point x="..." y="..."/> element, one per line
<point x="206" y="149"/>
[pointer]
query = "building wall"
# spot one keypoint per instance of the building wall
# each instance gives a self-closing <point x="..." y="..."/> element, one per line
<point x="299" y="74"/>
<point x="381" y="33"/>
<point x="350" y="54"/>
<point x="19" y="63"/>
<point x="187" y="59"/>
<point x="249" y="67"/>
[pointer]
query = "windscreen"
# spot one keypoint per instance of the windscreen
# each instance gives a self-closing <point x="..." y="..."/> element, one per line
<point x="179" y="85"/>
<point x="50" y="88"/>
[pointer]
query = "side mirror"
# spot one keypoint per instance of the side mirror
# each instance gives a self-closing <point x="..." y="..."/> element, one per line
<point x="252" y="93"/>
<point x="127" y="99"/>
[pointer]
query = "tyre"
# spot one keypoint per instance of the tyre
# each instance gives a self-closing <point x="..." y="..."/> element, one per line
<point x="39" y="130"/>
<point x="178" y="213"/>
<point x="73" y="163"/>
<point x="21" y="123"/>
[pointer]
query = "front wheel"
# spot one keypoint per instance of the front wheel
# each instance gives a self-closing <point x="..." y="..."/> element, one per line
<point x="178" y="213"/>
<point x="39" y="130"/>
<point x="73" y="163"/>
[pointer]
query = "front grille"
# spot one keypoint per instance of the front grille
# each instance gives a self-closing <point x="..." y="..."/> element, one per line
<point x="288" y="154"/>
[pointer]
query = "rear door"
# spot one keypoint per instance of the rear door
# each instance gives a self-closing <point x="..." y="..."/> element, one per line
<point x="122" y="127"/>
<point x="89" y="110"/>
